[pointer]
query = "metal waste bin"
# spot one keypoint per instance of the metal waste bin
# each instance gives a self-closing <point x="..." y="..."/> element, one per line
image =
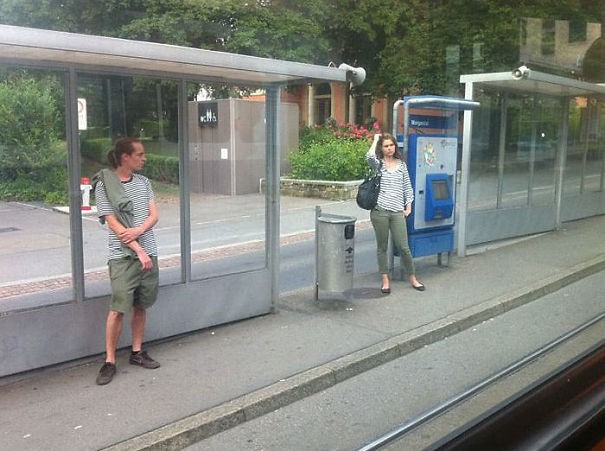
<point x="335" y="251"/>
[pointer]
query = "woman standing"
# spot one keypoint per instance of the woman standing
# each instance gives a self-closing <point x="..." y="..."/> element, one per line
<point x="394" y="205"/>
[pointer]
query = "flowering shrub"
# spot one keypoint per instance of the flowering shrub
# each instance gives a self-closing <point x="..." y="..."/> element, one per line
<point x="352" y="131"/>
<point x="335" y="152"/>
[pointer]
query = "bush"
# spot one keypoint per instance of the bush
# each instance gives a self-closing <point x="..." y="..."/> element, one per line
<point x="48" y="185"/>
<point x="157" y="167"/>
<point x="95" y="133"/>
<point x="334" y="160"/>
<point x="314" y="135"/>
<point x="162" y="169"/>
<point x="29" y="118"/>
<point x="33" y="162"/>
<point x="95" y="149"/>
<point x="334" y="152"/>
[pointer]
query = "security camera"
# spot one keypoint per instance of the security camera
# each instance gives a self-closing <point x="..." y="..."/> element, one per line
<point x="521" y="72"/>
<point x="355" y="75"/>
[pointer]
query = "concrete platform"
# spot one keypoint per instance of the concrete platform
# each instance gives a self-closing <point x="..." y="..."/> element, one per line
<point x="217" y="378"/>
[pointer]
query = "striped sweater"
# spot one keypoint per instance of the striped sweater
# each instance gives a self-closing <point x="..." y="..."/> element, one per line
<point x="396" y="190"/>
<point x="139" y="190"/>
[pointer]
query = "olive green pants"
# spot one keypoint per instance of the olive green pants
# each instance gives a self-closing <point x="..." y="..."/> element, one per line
<point x="131" y="286"/>
<point x="393" y="222"/>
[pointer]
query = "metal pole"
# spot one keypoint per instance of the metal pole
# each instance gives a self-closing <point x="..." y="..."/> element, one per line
<point x="532" y="148"/>
<point x="272" y="195"/>
<point x="465" y="172"/>
<point x="502" y="149"/>
<point x="184" y="182"/>
<point x="317" y="215"/>
<point x="396" y="106"/>
<point x="562" y="158"/>
<point x="74" y="163"/>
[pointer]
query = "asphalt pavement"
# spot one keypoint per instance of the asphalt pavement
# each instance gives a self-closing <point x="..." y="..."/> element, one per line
<point x="223" y="376"/>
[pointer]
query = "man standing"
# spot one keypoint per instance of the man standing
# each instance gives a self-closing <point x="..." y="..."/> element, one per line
<point x="125" y="201"/>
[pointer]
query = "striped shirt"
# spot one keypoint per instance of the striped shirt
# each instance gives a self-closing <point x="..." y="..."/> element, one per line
<point x="139" y="190"/>
<point x="396" y="190"/>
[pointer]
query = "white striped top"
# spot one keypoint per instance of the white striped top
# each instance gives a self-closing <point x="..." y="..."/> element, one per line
<point x="140" y="192"/>
<point x="396" y="190"/>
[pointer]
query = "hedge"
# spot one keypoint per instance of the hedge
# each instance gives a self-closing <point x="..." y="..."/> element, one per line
<point x="158" y="167"/>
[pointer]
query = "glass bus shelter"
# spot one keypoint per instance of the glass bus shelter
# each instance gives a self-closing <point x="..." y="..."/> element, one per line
<point x="54" y="290"/>
<point x="532" y="157"/>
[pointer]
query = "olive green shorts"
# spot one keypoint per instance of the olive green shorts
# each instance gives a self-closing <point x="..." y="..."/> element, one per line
<point x="131" y="286"/>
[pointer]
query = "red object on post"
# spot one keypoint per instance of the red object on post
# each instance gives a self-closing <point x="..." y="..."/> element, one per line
<point x="85" y="188"/>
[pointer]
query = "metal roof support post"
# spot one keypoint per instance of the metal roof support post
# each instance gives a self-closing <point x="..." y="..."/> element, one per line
<point x="465" y="171"/>
<point x="536" y="111"/>
<point x="406" y="128"/>
<point x="75" y="201"/>
<point x="273" y="189"/>
<point x="502" y="148"/>
<point x="561" y="161"/>
<point x="396" y="106"/>
<point x="184" y="187"/>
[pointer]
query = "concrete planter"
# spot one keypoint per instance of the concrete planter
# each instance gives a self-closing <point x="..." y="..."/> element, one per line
<point x="323" y="189"/>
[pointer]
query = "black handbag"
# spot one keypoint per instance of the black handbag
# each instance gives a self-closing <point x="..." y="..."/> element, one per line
<point x="367" y="193"/>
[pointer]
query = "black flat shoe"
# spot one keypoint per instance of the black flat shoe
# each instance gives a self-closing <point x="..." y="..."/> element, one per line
<point x="419" y="287"/>
<point x="385" y="290"/>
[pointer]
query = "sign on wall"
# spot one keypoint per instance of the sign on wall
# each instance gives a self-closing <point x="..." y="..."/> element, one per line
<point x="207" y="113"/>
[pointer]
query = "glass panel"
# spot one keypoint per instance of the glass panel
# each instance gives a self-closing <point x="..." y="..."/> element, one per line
<point x="522" y="173"/>
<point x="576" y="148"/>
<point x="35" y="255"/>
<point x="546" y="136"/>
<point x="146" y="109"/>
<point x="483" y="187"/>
<point x="594" y="146"/>
<point x="227" y="163"/>
<point x="519" y="150"/>
<point x="532" y="141"/>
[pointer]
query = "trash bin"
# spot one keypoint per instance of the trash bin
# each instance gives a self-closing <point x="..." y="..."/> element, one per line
<point x="335" y="251"/>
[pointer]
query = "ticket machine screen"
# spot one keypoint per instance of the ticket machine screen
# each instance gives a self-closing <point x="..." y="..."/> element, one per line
<point x="440" y="191"/>
<point x="439" y="201"/>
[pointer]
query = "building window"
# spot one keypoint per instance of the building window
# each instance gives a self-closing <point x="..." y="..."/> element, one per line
<point x="548" y="37"/>
<point x="577" y="30"/>
<point x="523" y="31"/>
<point x="323" y="99"/>
<point x="363" y="109"/>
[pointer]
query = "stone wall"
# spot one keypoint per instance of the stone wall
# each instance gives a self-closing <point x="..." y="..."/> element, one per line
<point x="317" y="188"/>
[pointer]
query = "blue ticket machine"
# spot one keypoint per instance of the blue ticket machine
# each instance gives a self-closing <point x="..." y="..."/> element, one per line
<point x="429" y="144"/>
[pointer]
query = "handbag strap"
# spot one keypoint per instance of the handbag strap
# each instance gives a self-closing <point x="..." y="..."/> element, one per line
<point x="372" y="172"/>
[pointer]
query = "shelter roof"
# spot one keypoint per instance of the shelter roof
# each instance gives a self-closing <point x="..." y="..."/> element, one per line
<point x="529" y="81"/>
<point x="55" y="49"/>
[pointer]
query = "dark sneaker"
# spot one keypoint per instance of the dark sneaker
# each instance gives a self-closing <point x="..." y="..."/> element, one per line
<point x="141" y="358"/>
<point x="106" y="374"/>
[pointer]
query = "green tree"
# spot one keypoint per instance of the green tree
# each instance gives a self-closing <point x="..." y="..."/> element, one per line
<point x="409" y="46"/>
<point x="82" y="16"/>
<point x="28" y="114"/>
<point x="32" y="161"/>
<point x="285" y="30"/>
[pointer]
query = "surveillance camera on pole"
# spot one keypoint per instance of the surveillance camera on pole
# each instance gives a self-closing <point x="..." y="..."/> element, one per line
<point x="521" y="73"/>
<point x="355" y="75"/>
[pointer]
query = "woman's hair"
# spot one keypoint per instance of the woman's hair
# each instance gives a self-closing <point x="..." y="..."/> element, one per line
<point x="120" y="147"/>
<point x="388" y="136"/>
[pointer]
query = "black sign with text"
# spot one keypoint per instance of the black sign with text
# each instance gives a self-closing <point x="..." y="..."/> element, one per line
<point x="207" y="113"/>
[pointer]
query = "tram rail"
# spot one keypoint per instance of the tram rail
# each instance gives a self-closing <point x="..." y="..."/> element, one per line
<point x="564" y="409"/>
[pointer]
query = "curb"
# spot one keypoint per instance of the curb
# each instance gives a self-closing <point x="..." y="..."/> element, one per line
<point x="197" y="427"/>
